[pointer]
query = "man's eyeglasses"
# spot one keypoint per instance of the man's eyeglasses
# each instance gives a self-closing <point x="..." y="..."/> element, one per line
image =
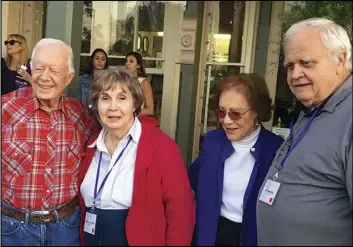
<point x="12" y="42"/>
<point x="232" y="114"/>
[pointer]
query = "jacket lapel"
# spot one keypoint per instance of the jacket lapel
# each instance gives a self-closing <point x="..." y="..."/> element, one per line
<point x="226" y="151"/>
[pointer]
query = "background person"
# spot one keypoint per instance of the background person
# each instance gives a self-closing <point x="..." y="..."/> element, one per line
<point x="17" y="60"/>
<point x="134" y="66"/>
<point x="99" y="61"/>
<point x="7" y="85"/>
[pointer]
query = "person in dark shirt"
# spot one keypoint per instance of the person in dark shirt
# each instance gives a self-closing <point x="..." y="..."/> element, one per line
<point x="17" y="60"/>
<point x="7" y="78"/>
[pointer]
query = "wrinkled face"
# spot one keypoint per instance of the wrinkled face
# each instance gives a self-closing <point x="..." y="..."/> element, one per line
<point x="50" y="72"/>
<point x="311" y="68"/>
<point x="99" y="60"/>
<point x="131" y="65"/>
<point x="115" y="108"/>
<point x="233" y="101"/>
<point x="15" y="48"/>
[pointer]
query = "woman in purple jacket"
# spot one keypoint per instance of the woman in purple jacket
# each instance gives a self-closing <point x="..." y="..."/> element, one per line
<point x="228" y="173"/>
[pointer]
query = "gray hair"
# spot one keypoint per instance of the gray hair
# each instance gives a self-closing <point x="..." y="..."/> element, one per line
<point x="333" y="36"/>
<point x="50" y="41"/>
<point x="106" y="79"/>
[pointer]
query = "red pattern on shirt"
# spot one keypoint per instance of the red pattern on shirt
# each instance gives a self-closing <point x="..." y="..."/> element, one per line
<point x="41" y="151"/>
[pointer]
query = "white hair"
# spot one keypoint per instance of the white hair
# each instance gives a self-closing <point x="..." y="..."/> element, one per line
<point x="333" y="36"/>
<point x="50" y="41"/>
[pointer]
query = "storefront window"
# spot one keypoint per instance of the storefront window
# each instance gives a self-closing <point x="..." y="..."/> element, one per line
<point x="120" y="27"/>
<point x="124" y="26"/>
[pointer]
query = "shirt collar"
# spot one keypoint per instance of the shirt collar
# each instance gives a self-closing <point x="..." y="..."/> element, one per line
<point x="334" y="99"/>
<point x="33" y="105"/>
<point x="134" y="131"/>
<point x="341" y="93"/>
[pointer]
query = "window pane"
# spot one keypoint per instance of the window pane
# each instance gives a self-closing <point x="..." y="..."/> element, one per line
<point x="150" y="28"/>
<point x="120" y="27"/>
<point x="286" y="103"/>
<point x="157" y="89"/>
<point x="218" y="73"/>
<point x="227" y="31"/>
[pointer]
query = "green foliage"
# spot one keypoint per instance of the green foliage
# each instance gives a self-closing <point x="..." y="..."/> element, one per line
<point x="337" y="11"/>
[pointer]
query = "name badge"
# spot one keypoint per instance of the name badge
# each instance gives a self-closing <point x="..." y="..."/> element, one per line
<point x="90" y="223"/>
<point x="269" y="191"/>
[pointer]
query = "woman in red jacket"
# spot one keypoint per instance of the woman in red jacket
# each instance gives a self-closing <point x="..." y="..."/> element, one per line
<point x="134" y="184"/>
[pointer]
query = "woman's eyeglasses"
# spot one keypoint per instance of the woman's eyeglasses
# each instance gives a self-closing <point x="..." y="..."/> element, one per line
<point x="12" y="42"/>
<point x="234" y="115"/>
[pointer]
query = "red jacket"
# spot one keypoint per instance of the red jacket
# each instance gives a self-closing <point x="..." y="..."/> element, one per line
<point x="162" y="210"/>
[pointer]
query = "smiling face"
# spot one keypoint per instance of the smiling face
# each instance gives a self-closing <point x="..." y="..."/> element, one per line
<point x="99" y="60"/>
<point x="311" y="69"/>
<point x="50" y="72"/>
<point x="233" y="101"/>
<point x="116" y="109"/>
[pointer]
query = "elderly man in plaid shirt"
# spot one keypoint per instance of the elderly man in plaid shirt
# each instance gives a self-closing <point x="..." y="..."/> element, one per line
<point x="44" y="134"/>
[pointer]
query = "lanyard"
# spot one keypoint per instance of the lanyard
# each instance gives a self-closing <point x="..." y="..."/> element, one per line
<point x="106" y="176"/>
<point x="298" y="139"/>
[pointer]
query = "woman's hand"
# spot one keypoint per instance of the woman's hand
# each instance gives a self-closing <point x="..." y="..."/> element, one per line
<point x="24" y="75"/>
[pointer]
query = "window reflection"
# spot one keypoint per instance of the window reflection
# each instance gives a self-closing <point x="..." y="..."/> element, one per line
<point x="120" y="27"/>
<point x="226" y="31"/>
<point x="285" y="102"/>
<point x="218" y="73"/>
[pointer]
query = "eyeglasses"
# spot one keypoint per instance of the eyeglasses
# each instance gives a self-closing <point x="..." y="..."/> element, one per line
<point x="12" y="42"/>
<point x="234" y="115"/>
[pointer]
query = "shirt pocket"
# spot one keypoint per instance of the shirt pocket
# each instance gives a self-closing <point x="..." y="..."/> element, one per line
<point x="74" y="156"/>
<point x="17" y="157"/>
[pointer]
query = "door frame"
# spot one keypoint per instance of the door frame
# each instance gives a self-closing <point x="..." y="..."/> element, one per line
<point x="251" y="21"/>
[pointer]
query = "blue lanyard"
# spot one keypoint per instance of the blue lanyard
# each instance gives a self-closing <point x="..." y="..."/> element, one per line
<point x="300" y="135"/>
<point x="106" y="176"/>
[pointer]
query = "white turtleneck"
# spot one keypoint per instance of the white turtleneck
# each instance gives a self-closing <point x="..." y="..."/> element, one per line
<point x="237" y="171"/>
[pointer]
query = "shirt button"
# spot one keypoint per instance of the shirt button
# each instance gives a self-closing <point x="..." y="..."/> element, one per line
<point x="252" y="149"/>
<point x="48" y="169"/>
<point x="16" y="154"/>
<point x="48" y="191"/>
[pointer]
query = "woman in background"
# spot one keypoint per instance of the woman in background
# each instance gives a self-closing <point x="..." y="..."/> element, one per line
<point x="134" y="66"/>
<point x="17" y="60"/>
<point x="99" y="61"/>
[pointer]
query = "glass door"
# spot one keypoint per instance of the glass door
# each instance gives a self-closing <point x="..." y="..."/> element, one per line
<point x="229" y="35"/>
<point x="148" y="27"/>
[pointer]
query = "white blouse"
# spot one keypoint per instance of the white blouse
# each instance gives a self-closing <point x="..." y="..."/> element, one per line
<point x="237" y="171"/>
<point x="117" y="191"/>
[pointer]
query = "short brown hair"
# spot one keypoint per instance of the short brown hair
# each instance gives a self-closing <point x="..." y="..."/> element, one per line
<point x="255" y="90"/>
<point x="106" y="79"/>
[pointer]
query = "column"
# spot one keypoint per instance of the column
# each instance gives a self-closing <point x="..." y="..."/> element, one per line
<point x="64" y="22"/>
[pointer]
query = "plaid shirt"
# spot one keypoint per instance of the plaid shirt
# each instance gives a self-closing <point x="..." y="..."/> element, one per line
<point x="41" y="151"/>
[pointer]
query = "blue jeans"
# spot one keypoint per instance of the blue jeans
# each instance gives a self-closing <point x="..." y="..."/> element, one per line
<point x="64" y="232"/>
